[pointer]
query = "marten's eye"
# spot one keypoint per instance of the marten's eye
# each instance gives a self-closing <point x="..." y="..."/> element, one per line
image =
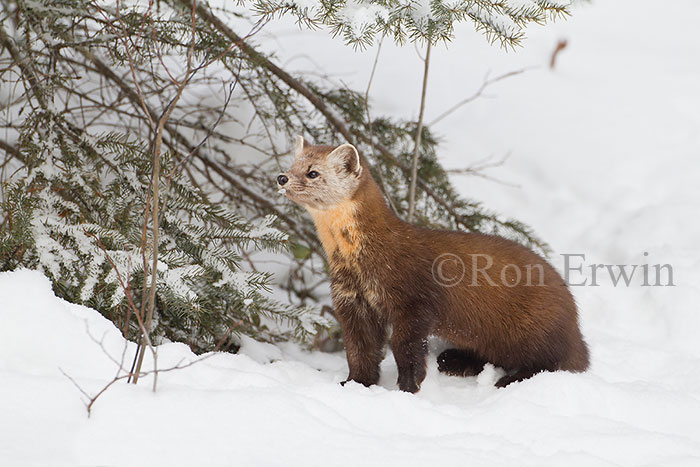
<point x="312" y="174"/>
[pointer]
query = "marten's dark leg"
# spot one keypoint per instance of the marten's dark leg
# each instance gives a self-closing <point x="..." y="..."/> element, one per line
<point x="460" y="362"/>
<point x="364" y="335"/>
<point x="519" y="375"/>
<point x="410" y="347"/>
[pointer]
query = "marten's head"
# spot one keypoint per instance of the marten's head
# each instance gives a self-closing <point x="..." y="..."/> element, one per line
<point x="321" y="176"/>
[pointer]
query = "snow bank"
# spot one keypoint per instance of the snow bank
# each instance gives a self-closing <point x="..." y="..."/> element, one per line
<point x="278" y="405"/>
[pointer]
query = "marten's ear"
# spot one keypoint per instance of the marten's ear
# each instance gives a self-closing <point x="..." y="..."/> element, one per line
<point x="299" y="145"/>
<point x="346" y="158"/>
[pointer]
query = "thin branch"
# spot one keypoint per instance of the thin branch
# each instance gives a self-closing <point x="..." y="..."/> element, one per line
<point x="419" y="132"/>
<point x="212" y="128"/>
<point x="155" y="193"/>
<point x="479" y="92"/>
<point x="11" y="151"/>
<point x="478" y="168"/>
<point x="382" y="182"/>
<point x="92" y="399"/>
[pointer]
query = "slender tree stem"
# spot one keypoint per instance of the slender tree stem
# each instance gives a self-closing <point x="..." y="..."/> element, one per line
<point x="419" y="131"/>
<point x="155" y="197"/>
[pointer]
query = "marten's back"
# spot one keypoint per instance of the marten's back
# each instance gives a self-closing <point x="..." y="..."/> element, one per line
<point x="483" y="291"/>
<point x="503" y="299"/>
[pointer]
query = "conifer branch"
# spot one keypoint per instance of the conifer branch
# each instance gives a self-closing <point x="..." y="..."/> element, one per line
<point x="351" y="135"/>
<point x="212" y="203"/>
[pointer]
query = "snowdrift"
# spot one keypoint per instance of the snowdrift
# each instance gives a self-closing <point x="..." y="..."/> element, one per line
<point x="281" y="406"/>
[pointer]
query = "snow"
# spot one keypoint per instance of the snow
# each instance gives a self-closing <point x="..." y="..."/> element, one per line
<point x="605" y="158"/>
<point x="360" y="15"/>
<point x="230" y="409"/>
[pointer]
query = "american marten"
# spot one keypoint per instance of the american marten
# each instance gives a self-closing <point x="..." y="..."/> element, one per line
<point x="492" y="299"/>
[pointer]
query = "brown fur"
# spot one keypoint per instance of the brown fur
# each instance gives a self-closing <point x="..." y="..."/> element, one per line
<point x="382" y="274"/>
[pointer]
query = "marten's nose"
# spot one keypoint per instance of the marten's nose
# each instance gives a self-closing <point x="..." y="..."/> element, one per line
<point x="282" y="179"/>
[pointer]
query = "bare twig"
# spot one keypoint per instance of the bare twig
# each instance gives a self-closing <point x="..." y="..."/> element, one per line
<point x="124" y="38"/>
<point x="91" y="399"/>
<point x="479" y="92"/>
<point x="478" y="168"/>
<point x="382" y="182"/>
<point x="212" y="128"/>
<point x="155" y="192"/>
<point x="419" y="131"/>
<point x="369" y="86"/>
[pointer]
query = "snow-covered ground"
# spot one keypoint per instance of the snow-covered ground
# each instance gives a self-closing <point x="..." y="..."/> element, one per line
<point x="605" y="151"/>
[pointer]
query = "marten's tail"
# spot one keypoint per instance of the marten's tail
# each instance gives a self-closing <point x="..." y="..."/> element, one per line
<point x="460" y="362"/>
<point x="578" y="359"/>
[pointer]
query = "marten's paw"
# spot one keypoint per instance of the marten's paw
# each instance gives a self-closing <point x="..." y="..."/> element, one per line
<point x="411" y="376"/>
<point x="366" y="383"/>
<point x="460" y="362"/>
<point x="407" y="383"/>
<point x="516" y="377"/>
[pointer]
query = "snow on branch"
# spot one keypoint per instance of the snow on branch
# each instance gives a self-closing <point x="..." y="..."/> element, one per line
<point x="359" y="22"/>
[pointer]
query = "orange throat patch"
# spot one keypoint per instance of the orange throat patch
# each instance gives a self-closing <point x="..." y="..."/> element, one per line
<point x="338" y="230"/>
